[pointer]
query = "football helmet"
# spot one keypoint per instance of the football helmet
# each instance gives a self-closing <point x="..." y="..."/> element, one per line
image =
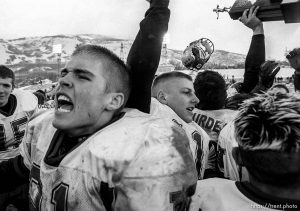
<point x="197" y="53"/>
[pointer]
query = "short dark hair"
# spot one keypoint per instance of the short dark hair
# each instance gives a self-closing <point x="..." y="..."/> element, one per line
<point x="41" y="97"/>
<point x="41" y="91"/>
<point x="5" y="72"/>
<point x="210" y="88"/>
<point x="267" y="131"/>
<point x="167" y="76"/>
<point x="117" y="74"/>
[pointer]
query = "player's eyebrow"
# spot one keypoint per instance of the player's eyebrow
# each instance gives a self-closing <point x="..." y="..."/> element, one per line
<point x="77" y="71"/>
<point x="186" y="89"/>
<point x="82" y="71"/>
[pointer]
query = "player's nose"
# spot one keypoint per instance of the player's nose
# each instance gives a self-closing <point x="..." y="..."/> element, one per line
<point x="195" y="99"/>
<point x="65" y="81"/>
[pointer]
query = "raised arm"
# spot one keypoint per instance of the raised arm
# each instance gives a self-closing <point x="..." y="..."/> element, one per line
<point x="256" y="54"/>
<point x="143" y="58"/>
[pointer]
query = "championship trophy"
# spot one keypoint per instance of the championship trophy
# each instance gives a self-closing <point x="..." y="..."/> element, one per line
<point x="269" y="10"/>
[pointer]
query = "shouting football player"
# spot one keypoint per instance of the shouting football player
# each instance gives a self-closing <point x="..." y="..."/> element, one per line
<point x="90" y="153"/>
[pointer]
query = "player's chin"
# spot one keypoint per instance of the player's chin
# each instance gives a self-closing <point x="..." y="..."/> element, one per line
<point x="3" y="101"/>
<point x="189" y="116"/>
<point x="62" y="121"/>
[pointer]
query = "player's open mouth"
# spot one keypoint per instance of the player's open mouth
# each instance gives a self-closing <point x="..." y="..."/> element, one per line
<point x="64" y="103"/>
<point x="190" y="109"/>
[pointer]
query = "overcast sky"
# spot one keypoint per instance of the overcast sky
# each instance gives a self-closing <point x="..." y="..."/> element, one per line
<point x="190" y="20"/>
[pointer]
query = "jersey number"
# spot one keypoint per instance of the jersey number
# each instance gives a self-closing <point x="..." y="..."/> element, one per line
<point x="18" y="134"/>
<point x="59" y="194"/>
<point x="199" y="152"/>
<point x="59" y="197"/>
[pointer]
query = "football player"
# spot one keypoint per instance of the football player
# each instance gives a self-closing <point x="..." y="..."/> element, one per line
<point x="89" y="144"/>
<point x="226" y="138"/>
<point x="16" y="108"/>
<point x="173" y="97"/>
<point x="211" y="115"/>
<point x="267" y="132"/>
<point x="266" y="74"/>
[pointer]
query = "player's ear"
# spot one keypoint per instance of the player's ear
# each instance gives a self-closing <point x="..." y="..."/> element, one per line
<point x="162" y="97"/>
<point x="237" y="156"/>
<point x="115" y="101"/>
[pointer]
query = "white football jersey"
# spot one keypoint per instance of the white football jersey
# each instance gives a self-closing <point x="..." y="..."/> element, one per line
<point x="212" y="121"/>
<point x="12" y="128"/>
<point x="226" y="195"/>
<point x="198" y="138"/>
<point x="226" y="161"/>
<point x="145" y="159"/>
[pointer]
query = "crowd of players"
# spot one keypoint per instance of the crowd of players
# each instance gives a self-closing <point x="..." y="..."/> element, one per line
<point x="121" y="138"/>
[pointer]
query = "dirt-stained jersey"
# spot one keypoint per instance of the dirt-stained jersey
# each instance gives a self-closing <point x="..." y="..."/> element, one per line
<point x="12" y="128"/>
<point x="212" y="121"/>
<point x="198" y="138"/>
<point x="145" y="159"/>
<point x="226" y="161"/>
<point x="226" y="195"/>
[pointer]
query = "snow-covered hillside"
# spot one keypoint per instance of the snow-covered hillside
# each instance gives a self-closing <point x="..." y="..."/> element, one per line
<point x="40" y="49"/>
<point x="34" y="51"/>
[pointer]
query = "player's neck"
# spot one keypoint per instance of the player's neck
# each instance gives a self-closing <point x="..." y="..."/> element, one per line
<point x="9" y="107"/>
<point x="292" y="192"/>
<point x="105" y="120"/>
